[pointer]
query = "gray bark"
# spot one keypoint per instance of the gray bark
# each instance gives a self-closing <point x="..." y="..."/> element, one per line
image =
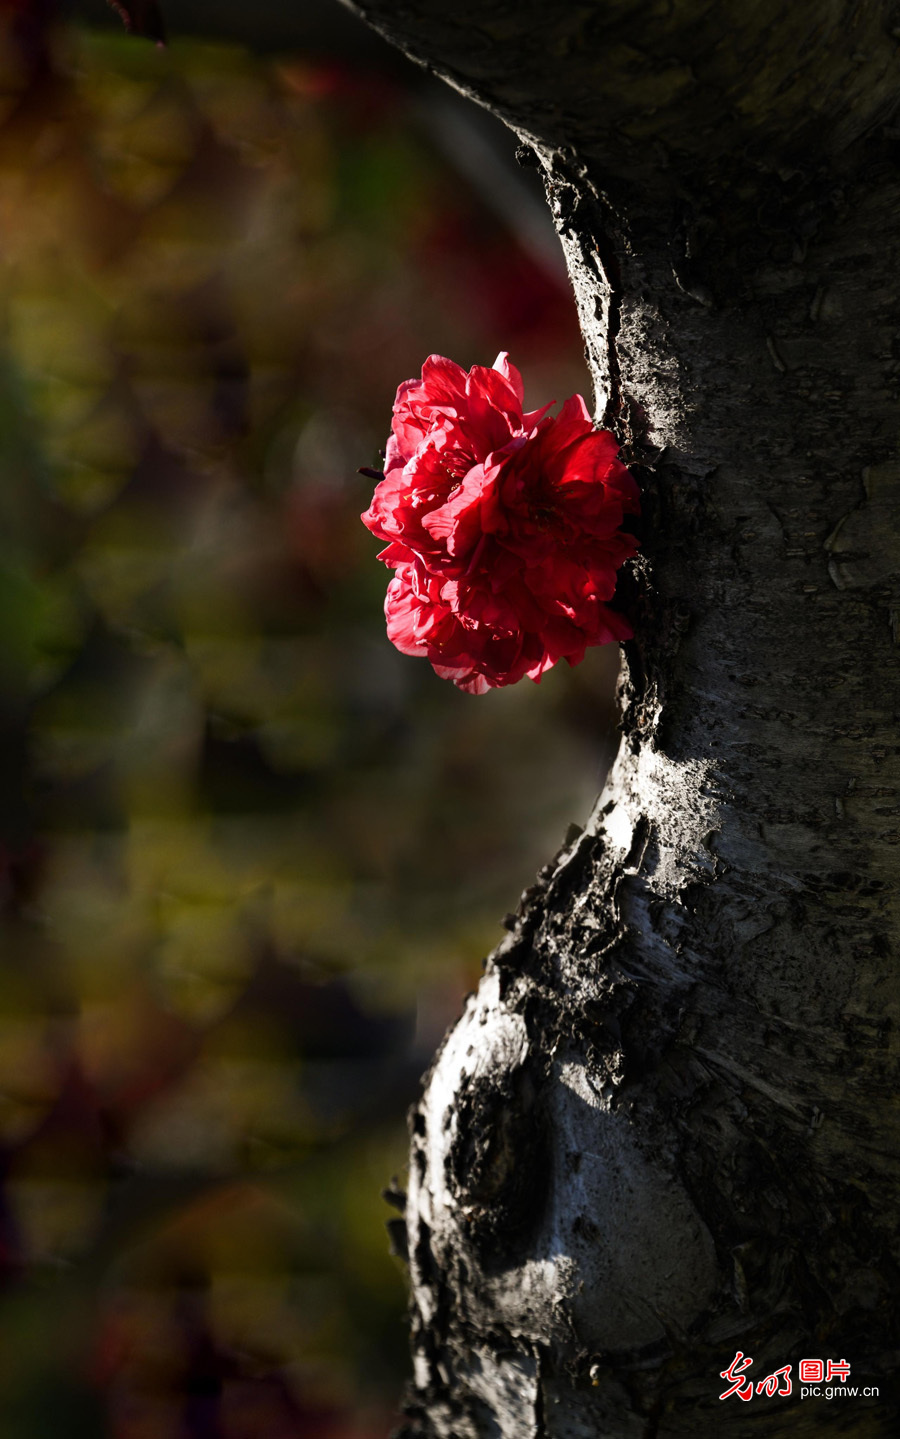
<point x="666" y="1127"/>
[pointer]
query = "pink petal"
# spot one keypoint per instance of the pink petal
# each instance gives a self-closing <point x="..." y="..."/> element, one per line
<point x="465" y="678"/>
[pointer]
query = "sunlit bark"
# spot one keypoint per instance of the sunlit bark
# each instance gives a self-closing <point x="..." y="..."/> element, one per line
<point x="666" y="1127"/>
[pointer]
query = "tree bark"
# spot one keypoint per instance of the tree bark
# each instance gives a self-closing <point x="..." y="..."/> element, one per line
<point x="666" y="1127"/>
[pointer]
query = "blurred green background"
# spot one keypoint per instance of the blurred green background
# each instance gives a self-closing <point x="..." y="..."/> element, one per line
<point x="250" y="857"/>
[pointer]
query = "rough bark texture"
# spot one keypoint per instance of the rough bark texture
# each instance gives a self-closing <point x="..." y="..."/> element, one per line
<point x="666" y="1127"/>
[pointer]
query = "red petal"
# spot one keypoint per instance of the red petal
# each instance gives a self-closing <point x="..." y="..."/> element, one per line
<point x="458" y="522"/>
<point x="511" y="375"/>
<point x="464" y="678"/>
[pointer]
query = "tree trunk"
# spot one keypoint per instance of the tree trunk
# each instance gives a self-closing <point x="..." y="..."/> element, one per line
<point x="665" y="1129"/>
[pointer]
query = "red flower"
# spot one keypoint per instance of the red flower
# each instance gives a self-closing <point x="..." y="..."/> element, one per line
<point x="503" y="527"/>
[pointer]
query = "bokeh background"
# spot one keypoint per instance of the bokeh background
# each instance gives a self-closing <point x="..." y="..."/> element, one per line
<point x="250" y="857"/>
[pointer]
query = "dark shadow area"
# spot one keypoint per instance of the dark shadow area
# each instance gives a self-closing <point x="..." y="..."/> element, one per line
<point x="250" y="856"/>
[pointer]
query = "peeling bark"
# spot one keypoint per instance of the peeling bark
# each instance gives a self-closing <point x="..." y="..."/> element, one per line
<point x="666" y="1127"/>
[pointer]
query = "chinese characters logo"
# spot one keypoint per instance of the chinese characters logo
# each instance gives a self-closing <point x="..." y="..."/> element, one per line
<point x="810" y="1372"/>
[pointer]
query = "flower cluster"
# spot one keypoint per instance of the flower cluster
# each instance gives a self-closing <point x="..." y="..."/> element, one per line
<point x="503" y="527"/>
